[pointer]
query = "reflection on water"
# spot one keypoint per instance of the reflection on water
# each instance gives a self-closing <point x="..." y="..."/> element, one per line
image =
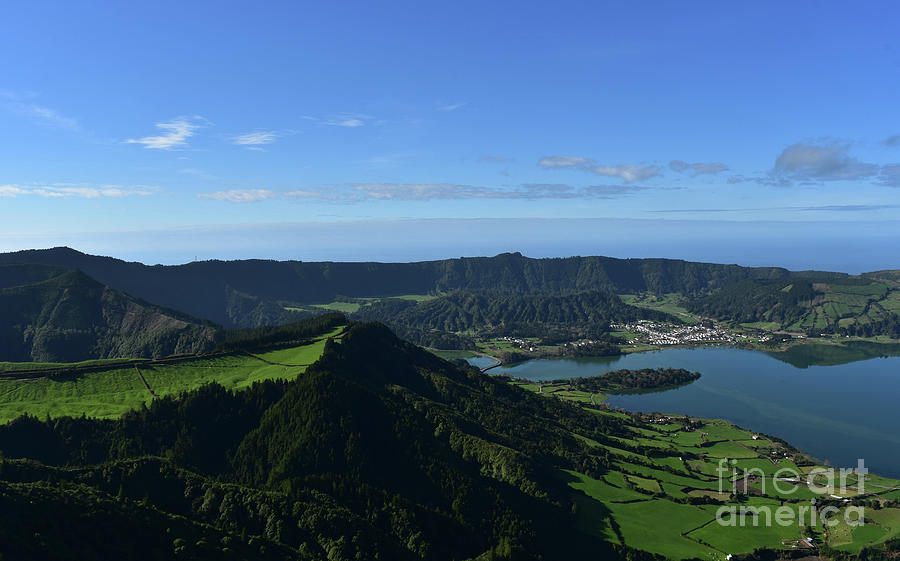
<point x="840" y="412"/>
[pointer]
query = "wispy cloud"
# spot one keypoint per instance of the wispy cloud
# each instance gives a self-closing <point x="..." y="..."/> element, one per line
<point x="820" y="160"/>
<point x="47" y="116"/>
<point x="563" y="161"/>
<point x="239" y="195"/>
<point x="360" y="192"/>
<point x="698" y="168"/>
<point x="350" y="120"/>
<point x="892" y="141"/>
<point x="20" y="104"/>
<point x="626" y="172"/>
<point x="12" y="191"/>
<point x="175" y="133"/>
<point x="451" y="106"/>
<point x="890" y="175"/>
<point x="495" y="159"/>
<point x="255" y="138"/>
<point x="61" y="191"/>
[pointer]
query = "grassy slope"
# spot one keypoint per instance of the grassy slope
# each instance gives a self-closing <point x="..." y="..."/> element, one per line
<point x="641" y="494"/>
<point x="110" y="393"/>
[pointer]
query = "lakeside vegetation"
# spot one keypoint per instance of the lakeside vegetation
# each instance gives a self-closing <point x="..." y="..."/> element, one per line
<point x="566" y="307"/>
<point x="263" y="433"/>
<point x="664" y="482"/>
<point x="309" y="447"/>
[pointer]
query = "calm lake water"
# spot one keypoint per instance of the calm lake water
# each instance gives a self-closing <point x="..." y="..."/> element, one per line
<point x="837" y="413"/>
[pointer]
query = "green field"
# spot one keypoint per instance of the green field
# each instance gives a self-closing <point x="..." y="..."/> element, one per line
<point x="643" y="499"/>
<point x="344" y="307"/>
<point x="847" y="304"/>
<point x="668" y="303"/>
<point x="353" y="305"/>
<point x="105" y="394"/>
<point x="16" y="366"/>
<point x="108" y="394"/>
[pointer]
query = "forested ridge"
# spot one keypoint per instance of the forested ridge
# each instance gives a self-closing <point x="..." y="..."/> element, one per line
<point x="849" y="306"/>
<point x="66" y="316"/>
<point x="74" y="306"/>
<point x="249" y="293"/>
<point x="380" y="451"/>
<point x="437" y="322"/>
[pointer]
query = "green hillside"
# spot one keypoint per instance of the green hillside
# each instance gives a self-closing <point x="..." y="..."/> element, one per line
<point x="72" y="317"/>
<point x="850" y="306"/>
<point x="257" y="292"/>
<point x="108" y="389"/>
<point x="381" y="450"/>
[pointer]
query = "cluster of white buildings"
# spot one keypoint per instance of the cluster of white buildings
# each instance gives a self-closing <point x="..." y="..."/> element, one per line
<point x="668" y="334"/>
<point x="520" y="343"/>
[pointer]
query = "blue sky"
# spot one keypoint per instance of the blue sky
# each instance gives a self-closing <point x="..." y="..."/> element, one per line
<point x="234" y="129"/>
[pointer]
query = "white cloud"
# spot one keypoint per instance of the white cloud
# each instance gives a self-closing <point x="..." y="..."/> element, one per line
<point x="11" y="191"/>
<point x="347" y="120"/>
<point x="451" y="106"/>
<point x="176" y="132"/>
<point x="239" y="195"/>
<point x="699" y="168"/>
<point x="47" y="116"/>
<point x="822" y="160"/>
<point x="563" y="161"/>
<point x="360" y="192"/>
<point x="61" y="191"/>
<point x="16" y="103"/>
<point x="255" y="139"/>
<point x="627" y="173"/>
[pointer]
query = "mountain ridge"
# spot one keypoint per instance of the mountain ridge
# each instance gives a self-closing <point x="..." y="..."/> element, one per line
<point x="247" y="293"/>
<point x="71" y="317"/>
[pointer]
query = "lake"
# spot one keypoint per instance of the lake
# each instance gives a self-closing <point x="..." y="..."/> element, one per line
<point x="838" y="413"/>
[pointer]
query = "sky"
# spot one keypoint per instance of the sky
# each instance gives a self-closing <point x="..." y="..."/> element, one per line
<point x="761" y="133"/>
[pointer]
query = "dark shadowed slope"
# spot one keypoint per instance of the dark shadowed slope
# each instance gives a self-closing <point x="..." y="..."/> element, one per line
<point x="247" y="293"/>
<point x="380" y="451"/>
<point x="71" y="317"/>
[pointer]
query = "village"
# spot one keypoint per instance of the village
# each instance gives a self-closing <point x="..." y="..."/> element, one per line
<point x="654" y="333"/>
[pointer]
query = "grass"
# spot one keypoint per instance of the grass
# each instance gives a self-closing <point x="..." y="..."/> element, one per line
<point x="601" y="490"/>
<point x="636" y="496"/>
<point x="862" y="536"/>
<point x="343" y="307"/>
<point x="107" y="394"/>
<point x="650" y="485"/>
<point x="657" y="526"/>
<point x="667" y="303"/>
<point x="416" y="297"/>
<point x="295" y="355"/>
<point x="728" y="449"/>
<point x="16" y="366"/>
<point x="232" y="372"/>
<point x="748" y="533"/>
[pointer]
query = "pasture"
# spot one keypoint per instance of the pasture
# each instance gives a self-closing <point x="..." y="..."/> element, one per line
<point x="109" y="393"/>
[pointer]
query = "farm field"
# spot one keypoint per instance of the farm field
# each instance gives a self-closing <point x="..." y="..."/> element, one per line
<point x="108" y="394"/>
<point x="666" y="502"/>
<point x="353" y="305"/>
<point x="668" y="303"/>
